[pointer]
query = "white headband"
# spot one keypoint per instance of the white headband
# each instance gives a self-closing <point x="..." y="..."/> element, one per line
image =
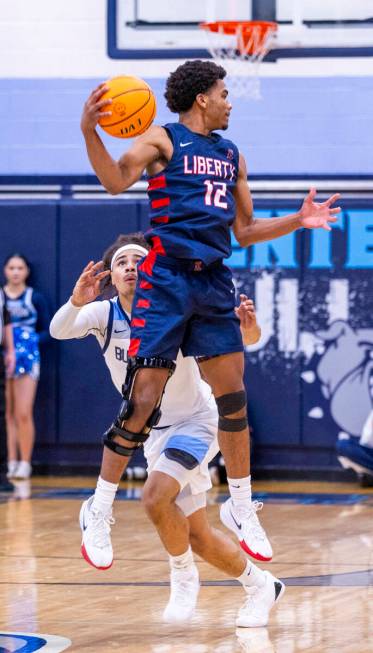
<point x="138" y="248"/>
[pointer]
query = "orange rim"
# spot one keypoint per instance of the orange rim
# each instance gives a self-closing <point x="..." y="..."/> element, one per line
<point x="251" y="34"/>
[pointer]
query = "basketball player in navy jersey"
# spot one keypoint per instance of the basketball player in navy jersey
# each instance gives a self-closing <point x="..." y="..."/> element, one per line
<point x="185" y="296"/>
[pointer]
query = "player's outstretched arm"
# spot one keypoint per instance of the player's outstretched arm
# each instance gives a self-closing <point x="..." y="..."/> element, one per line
<point x="250" y="329"/>
<point x="249" y="230"/>
<point x="117" y="176"/>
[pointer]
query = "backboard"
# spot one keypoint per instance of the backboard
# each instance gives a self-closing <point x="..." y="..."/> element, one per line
<point x="144" y="29"/>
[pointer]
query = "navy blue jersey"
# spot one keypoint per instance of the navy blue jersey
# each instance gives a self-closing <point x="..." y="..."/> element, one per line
<point x="191" y="200"/>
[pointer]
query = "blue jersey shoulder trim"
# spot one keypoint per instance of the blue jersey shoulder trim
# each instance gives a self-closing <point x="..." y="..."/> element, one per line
<point x="109" y="327"/>
<point x="122" y="312"/>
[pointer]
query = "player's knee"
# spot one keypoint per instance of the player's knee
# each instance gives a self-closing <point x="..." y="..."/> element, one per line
<point x="232" y="411"/>
<point x="143" y="405"/>
<point x="155" y="499"/>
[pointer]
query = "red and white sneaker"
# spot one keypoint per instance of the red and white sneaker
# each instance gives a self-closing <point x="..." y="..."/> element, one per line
<point x="245" y="525"/>
<point x="96" y="546"/>
<point x="255" y="611"/>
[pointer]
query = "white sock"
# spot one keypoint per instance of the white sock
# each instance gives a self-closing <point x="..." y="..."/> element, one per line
<point x="104" y="495"/>
<point x="252" y="576"/>
<point x="182" y="562"/>
<point x="240" y="491"/>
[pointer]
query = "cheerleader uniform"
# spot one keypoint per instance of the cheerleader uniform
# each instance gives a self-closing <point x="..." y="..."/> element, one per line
<point x="30" y="322"/>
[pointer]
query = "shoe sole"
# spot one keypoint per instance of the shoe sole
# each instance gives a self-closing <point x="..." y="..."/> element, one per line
<point x="83" y="550"/>
<point x="231" y="526"/>
<point x="262" y="625"/>
<point x="87" y="559"/>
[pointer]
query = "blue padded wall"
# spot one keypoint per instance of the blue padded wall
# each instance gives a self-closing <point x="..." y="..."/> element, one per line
<point x="307" y="380"/>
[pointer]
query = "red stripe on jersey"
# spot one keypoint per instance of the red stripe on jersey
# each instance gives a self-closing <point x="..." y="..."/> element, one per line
<point x="161" y="219"/>
<point x="138" y="322"/>
<point x="157" y="246"/>
<point x="143" y="303"/>
<point x="157" y="182"/>
<point x="147" y="265"/>
<point x="157" y="204"/>
<point x="134" y="347"/>
<point x="146" y="285"/>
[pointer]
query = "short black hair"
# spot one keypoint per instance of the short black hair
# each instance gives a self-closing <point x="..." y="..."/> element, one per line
<point x="188" y="80"/>
<point x="136" y="238"/>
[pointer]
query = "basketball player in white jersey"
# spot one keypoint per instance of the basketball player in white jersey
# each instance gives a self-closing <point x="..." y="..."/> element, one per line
<point x="177" y="451"/>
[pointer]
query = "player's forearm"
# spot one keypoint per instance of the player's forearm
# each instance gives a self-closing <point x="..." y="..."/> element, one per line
<point x="262" y="229"/>
<point x="68" y="323"/>
<point x="106" y="168"/>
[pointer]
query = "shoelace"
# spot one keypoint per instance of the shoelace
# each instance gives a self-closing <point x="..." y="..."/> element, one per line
<point x="180" y="590"/>
<point x="250" y="514"/>
<point x="250" y="604"/>
<point x="101" y="527"/>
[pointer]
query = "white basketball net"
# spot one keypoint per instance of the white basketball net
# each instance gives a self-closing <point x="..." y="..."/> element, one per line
<point x="241" y="55"/>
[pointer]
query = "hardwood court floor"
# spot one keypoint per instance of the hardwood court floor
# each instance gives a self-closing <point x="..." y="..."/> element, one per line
<point x="322" y="535"/>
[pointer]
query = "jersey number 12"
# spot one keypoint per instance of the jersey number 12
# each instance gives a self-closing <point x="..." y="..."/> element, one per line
<point x="215" y="192"/>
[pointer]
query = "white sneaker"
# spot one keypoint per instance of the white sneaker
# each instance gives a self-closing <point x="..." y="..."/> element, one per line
<point x="184" y="594"/>
<point x="255" y="611"/>
<point x="245" y="525"/>
<point x="12" y="468"/>
<point x="23" y="470"/>
<point x="22" y="489"/>
<point x="96" y="543"/>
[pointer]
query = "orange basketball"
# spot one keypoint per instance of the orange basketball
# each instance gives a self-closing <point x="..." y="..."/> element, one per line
<point x="133" y="107"/>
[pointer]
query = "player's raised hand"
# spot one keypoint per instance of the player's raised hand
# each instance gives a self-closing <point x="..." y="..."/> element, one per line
<point x="249" y="327"/>
<point x="246" y="312"/>
<point x="95" y="108"/>
<point x="88" y="286"/>
<point x="314" y="215"/>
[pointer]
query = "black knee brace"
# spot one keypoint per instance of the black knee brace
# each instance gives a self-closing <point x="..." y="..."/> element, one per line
<point x="126" y="408"/>
<point x="228" y="404"/>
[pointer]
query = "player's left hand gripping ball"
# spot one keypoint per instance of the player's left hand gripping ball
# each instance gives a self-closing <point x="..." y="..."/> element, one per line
<point x="133" y="107"/>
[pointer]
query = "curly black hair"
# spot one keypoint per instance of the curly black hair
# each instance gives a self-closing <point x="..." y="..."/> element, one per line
<point x="136" y="238"/>
<point x="188" y="80"/>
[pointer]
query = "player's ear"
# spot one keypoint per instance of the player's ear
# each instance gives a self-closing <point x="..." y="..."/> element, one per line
<point x="202" y="100"/>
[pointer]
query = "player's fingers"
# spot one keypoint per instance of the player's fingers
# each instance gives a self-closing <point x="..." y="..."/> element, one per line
<point x="336" y="210"/>
<point x="312" y="193"/>
<point x="99" y="90"/>
<point x="98" y="265"/>
<point x="326" y="227"/>
<point x="102" y="275"/>
<point x="332" y="199"/>
<point x="104" y="103"/>
<point x="243" y="297"/>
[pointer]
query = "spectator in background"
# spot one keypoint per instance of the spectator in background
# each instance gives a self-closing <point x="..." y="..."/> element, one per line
<point x="7" y="365"/>
<point x="30" y="322"/>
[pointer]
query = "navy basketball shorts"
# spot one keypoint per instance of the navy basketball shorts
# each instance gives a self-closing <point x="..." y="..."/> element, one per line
<point x="182" y="304"/>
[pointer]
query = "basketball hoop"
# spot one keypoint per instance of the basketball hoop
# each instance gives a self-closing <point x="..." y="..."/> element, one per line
<point x="240" y="46"/>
